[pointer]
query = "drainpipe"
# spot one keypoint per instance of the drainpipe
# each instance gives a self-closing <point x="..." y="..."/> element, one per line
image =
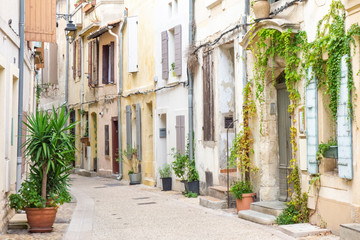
<point x="67" y="61"/>
<point x="81" y="105"/>
<point x="243" y="32"/>
<point x="20" y="97"/>
<point x="119" y="83"/>
<point x="191" y="84"/>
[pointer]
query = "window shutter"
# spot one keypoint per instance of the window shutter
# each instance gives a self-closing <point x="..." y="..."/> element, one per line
<point x="90" y="43"/>
<point x="180" y="134"/>
<point x="95" y="74"/>
<point x="111" y="62"/>
<point x="79" y="57"/>
<point x="132" y="44"/>
<point x="128" y="131"/>
<point x="311" y="122"/>
<point x="138" y="131"/>
<point x="105" y="64"/>
<point x="344" y="126"/>
<point x="74" y="60"/>
<point x="178" y="51"/>
<point x="165" y="55"/>
<point x="208" y="98"/>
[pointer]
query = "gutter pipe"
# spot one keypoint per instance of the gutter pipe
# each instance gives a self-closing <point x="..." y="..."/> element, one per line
<point x="191" y="85"/>
<point x="21" y="90"/>
<point x="119" y="83"/>
<point x="81" y="107"/>
<point x="67" y="61"/>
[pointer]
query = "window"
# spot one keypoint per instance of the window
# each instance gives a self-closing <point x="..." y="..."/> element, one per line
<point x="93" y="56"/>
<point x="171" y="52"/>
<point x="108" y="64"/>
<point x="208" y="97"/>
<point x="107" y="148"/>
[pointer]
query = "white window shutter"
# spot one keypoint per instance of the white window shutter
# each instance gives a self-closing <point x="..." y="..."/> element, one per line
<point x="344" y="128"/>
<point x="132" y="44"/>
<point x="311" y="122"/>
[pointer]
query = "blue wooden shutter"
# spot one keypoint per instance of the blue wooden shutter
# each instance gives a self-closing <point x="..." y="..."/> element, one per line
<point x="138" y="131"/>
<point x="344" y="128"/>
<point x="128" y="131"/>
<point x="311" y="122"/>
<point x="178" y="51"/>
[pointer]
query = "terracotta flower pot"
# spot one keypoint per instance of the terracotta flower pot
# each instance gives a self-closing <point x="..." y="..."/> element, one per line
<point x="244" y="203"/>
<point x="41" y="219"/>
<point x="261" y="9"/>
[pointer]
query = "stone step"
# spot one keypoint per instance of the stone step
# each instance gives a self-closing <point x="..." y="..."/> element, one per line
<point x="268" y="207"/>
<point x="257" y="217"/>
<point x="85" y="173"/>
<point x="18" y="221"/>
<point x="303" y="230"/>
<point x="350" y="231"/>
<point x="211" y="202"/>
<point x="221" y="192"/>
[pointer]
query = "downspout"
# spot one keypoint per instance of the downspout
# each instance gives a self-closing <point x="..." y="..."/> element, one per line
<point x="191" y="84"/>
<point x="243" y="33"/>
<point x="119" y="84"/>
<point x="67" y="61"/>
<point x="20" y="97"/>
<point x="81" y="106"/>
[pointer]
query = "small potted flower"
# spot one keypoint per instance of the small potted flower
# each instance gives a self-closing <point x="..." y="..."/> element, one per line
<point x="165" y="174"/>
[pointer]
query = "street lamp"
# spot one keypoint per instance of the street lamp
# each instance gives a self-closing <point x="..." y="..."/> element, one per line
<point x="70" y="31"/>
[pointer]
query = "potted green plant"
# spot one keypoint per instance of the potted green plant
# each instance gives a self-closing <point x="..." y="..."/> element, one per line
<point x="243" y="192"/>
<point x="134" y="176"/>
<point x="172" y="68"/>
<point x="192" y="178"/>
<point x="165" y="174"/>
<point x="50" y="148"/>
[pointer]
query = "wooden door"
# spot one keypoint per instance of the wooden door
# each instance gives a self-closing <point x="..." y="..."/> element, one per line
<point x="284" y="124"/>
<point x="115" y="146"/>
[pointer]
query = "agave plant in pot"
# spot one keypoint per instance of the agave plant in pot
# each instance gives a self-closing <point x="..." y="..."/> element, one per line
<point x="165" y="174"/>
<point x="49" y="147"/>
<point x="131" y="154"/>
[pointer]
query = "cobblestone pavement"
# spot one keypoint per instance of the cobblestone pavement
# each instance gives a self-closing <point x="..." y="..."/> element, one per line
<point x="61" y="224"/>
<point x="139" y="212"/>
<point x="109" y="209"/>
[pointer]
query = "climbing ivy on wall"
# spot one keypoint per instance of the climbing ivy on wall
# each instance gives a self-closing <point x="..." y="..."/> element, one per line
<point x="299" y="55"/>
<point x="333" y="41"/>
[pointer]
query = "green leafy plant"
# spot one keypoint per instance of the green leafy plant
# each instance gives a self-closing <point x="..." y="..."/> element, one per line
<point x="180" y="164"/>
<point x="172" y="68"/>
<point x="288" y="215"/>
<point x="190" y="194"/>
<point x="323" y="147"/>
<point x="50" y="147"/>
<point x="192" y="174"/>
<point x="130" y="154"/>
<point x="241" y="187"/>
<point x="165" y="171"/>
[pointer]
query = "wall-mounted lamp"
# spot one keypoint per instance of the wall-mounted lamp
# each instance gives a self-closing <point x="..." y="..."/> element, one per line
<point x="70" y="31"/>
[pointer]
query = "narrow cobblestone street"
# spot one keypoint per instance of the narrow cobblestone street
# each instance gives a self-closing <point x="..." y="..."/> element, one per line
<point x="116" y="210"/>
<point x="109" y="209"/>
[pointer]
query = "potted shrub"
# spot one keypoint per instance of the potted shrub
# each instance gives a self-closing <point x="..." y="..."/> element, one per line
<point x="242" y="191"/>
<point x="134" y="176"/>
<point x="179" y="166"/>
<point x="50" y="148"/>
<point x="165" y="174"/>
<point x="192" y="178"/>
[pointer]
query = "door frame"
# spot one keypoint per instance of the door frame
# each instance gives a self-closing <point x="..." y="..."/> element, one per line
<point x="114" y="143"/>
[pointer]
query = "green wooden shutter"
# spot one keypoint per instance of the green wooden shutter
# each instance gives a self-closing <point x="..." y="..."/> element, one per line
<point x="344" y="126"/>
<point x="311" y="122"/>
<point x="128" y="131"/>
<point x="138" y="131"/>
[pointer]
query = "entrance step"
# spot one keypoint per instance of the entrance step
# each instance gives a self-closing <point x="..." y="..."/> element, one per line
<point x="221" y="193"/>
<point x="350" y="231"/>
<point x="85" y="173"/>
<point x="211" y="202"/>
<point x="268" y="207"/>
<point x="257" y="217"/>
<point x="18" y="221"/>
<point x="303" y="230"/>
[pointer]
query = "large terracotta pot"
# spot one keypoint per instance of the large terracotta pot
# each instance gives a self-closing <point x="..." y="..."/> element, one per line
<point x="244" y="203"/>
<point x="41" y="219"/>
<point x="261" y="9"/>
